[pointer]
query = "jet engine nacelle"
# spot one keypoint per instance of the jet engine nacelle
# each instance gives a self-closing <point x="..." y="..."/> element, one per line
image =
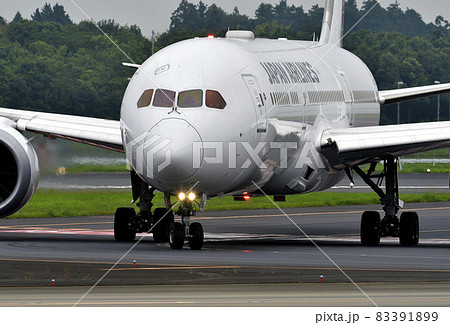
<point x="19" y="169"/>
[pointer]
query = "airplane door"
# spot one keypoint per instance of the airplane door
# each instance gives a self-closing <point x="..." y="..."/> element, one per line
<point x="348" y="97"/>
<point x="258" y="102"/>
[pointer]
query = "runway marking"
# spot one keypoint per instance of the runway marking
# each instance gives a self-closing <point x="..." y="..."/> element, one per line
<point x="217" y="237"/>
<point x="58" y="224"/>
<point x="60" y="232"/>
<point x="276" y="268"/>
<point x="405" y="187"/>
<point x="439" y="230"/>
<point x="261" y="215"/>
<point x="311" y="213"/>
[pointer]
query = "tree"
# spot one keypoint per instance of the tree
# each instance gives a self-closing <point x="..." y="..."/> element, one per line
<point x="264" y="13"/>
<point x="186" y="16"/>
<point x="283" y="13"/>
<point x="388" y="72"/>
<point x="272" y="30"/>
<point x="60" y="15"/>
<point x="18" y="17"/>
<point x="214" y="18"/>
<point x="412" y="72"/>
<point x="369" y="5"/>
<point x="352" y="14"/>
<point x="2" y="21"/>
<point x="56" y="14"/>
<point x="36" y="16"/>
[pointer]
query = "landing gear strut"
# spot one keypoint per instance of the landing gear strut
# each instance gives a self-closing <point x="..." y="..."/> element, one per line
<point x="127" y="223"/>
<point x="372" y="228"/>
<point x="161" y="222"/>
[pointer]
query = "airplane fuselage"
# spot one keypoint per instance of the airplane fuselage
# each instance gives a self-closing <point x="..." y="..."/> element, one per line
<point x="224" y="114"/>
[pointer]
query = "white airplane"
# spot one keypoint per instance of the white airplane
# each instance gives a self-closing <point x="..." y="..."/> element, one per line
<point x="240" y="116"/>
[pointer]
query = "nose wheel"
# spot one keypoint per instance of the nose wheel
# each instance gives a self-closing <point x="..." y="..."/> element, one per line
<point x="184" y="230"/>
<point x="196" y="236"/>
<point x="179" y="233"/>
<point x="176" y="236"/>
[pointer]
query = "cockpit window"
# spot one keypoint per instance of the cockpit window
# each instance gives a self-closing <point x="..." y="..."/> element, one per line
<point x="145" y="99"/>
<point x="190" y="99"/>
<point x="215" y="100"/>
<point x="164" y="98"/>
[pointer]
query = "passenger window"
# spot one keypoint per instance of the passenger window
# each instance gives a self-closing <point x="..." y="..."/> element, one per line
<point x="215" y="100"/>
<point x="190" y="99"/>
<point x="164" y="98"/>
<point x="145" y="99"/>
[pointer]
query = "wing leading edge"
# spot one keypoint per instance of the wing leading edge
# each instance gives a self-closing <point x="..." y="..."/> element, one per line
<point x="354" y="146"/>
<point x="399" y="95"/>
<point x="92" y="131"/>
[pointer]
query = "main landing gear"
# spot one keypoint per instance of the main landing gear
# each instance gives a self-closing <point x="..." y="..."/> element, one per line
<point x="161" y="222"/>
<point x="372" y="227"/>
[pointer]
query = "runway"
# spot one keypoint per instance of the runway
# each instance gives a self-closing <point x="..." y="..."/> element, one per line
<point x="254" y="258"/>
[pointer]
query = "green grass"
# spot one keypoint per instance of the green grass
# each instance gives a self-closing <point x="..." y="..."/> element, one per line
<point x="422" y="168"/>
<point x="77" y="169"/>
<point x="52" y="203"/>
<point x="406" y="168"/>
<point x="81" y="168"/>
<point x="438" y="154"/>
<point x="416" y="168"/>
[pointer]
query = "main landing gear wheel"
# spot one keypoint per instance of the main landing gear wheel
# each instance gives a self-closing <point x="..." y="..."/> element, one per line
<point x="370" y="236"/>
<point x="123" y="224"/>
<point x="409" y="229"/>
<point x="196" y="236"/>
<point x="372" y="228"/>
<point x="176" y="236"/>
<point x="163" y="219"/>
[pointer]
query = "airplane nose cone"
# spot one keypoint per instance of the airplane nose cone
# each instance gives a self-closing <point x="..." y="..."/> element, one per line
<point x="169" y="150"/>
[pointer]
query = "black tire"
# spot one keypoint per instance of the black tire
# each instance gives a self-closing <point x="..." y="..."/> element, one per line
<point x="409" y="229"/>
<point x="176" y="235"/>
<point x="369" y="231"/>
<point x="196" y="236"/>
<point x="162" y="229"/>
<point x="123" y="221"/>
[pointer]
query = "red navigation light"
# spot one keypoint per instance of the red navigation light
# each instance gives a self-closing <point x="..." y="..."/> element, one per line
<point x="210" y="36"/>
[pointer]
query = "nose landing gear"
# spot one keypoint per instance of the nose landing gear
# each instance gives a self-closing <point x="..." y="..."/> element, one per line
<point x="179" y="232"/>
<point x="161" y="222"/>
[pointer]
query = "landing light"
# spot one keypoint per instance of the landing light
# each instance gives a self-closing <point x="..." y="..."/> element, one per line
<point x="210" y="36"/>
<point x="191" y="196"/>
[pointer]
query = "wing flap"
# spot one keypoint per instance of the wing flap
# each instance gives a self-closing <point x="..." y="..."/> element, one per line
<point x="353" y="146"/>
<point x="93" y="131"/>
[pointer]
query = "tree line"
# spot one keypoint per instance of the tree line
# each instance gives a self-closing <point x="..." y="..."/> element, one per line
<point x="48" y="63"/>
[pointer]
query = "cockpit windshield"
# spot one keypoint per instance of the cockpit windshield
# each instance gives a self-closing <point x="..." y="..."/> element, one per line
<point x="145" y="99"/>
<point x="215" y="100"/>
<point x="164" y="98"/>
<point x="186" y="99"/>
<point x="190" y="99"/>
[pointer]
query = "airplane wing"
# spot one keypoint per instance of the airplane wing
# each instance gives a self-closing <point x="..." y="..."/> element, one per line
<point x="354" y="146"/>
<point x="399" y="95"/>
<point x="92" y="131"/>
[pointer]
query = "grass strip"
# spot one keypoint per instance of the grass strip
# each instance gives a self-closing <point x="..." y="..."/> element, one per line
<point x="53" y="203"/>
<point x="416" y="168"/>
